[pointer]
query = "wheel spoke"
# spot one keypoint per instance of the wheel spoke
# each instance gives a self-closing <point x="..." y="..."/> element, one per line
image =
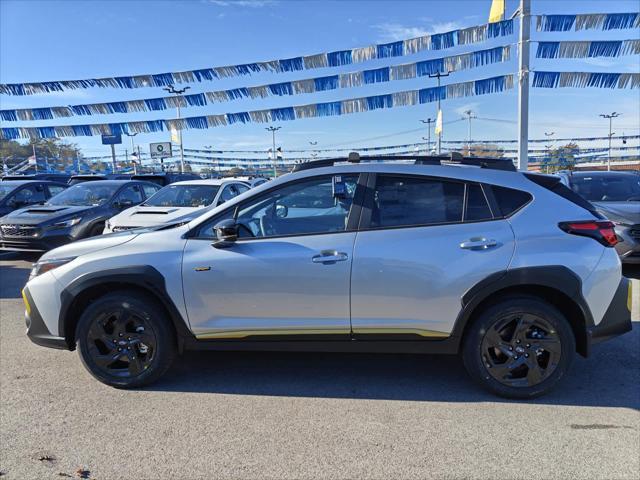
<point x="493" y="338"/>
<point x="135" y="365"/>
<point x="105" y="361"/>
<point x="503" y="369"/>
<point x="535" y="373"/>
<point x="523" y="324"/>
<point x="551" y="345"/>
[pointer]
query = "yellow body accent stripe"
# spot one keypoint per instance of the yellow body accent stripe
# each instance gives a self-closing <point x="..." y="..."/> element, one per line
<point x="26" y="302"/>
<point x="248" y="333"/>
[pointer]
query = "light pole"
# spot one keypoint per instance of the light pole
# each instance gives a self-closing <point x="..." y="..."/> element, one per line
<point x="438" y="75"/>
<point x="428" y="122"/>
<point x="175" y="91"/>
<point x="209" y="147"/>
<point x="469" y="115"/>
<point x="273" y="131"/>
<point x="610" y="116"/>
<point x="524" y="12"/>
<point x="133" y="150"/>
<point x="548" y="146"/>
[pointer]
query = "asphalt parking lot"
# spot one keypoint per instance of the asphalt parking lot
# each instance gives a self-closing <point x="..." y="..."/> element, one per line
<point x="269" y="415"/>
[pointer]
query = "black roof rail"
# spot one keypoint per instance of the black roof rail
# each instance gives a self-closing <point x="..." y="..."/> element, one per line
<point x="454" y="158"/>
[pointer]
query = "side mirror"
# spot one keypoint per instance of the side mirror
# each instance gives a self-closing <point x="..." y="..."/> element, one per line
<point x="226" y="233"/>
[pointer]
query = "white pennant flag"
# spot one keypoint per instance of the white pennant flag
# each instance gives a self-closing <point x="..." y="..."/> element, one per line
<point x="439" y="123"/>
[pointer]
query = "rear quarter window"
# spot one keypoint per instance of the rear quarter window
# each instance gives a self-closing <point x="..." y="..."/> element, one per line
<point x="510" y="200"/>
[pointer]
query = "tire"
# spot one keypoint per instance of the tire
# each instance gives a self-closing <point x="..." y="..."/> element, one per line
<point x="125" y="340"/>
<point x="96" y="230"/>
<point x="520" y="347"/>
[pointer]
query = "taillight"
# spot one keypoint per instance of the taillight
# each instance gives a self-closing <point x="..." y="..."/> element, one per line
<point x="602" y="231"/>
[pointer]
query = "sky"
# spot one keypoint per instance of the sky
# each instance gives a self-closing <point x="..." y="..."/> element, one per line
<point x="60" y="40"/>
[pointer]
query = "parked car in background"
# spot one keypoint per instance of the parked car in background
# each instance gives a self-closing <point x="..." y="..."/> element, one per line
<point x="78" y="212"/>
<point x="616" y="195"/>
<point x="512" y="270"/>
<point x="91" y="178"/>
<point x="180" y="200"/>
<point x="16" y="194"/>
<point x="51" y="177"/>
<point x="165" y="178"/>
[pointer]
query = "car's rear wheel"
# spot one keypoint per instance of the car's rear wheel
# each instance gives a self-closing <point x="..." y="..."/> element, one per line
<point x="125" y="340"/>
<point x="520" y="347"/>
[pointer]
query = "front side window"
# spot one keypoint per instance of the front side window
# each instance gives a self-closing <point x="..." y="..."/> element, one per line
<point x="408" y="201"/>
<point x="85" y="194"/>
<point x="130" y="195"/>
<point x="300" y="208"/>
<point x="55" y="189"/>
<point x="150" y="190"/>
<point x="184" y="196"/>
<point x="29" y="195"/>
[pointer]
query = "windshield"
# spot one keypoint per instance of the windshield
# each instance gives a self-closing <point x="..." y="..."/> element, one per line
<point x="85" y="194"/>
<point x="183" y="196"/>
<point x="607" y="188"/>
<point x="5" y="190"/>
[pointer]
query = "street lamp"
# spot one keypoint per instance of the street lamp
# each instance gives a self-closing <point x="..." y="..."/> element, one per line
<point x="428" y="122"/>
<point x="610" y="116"/>
<point x="273" y="131"/>
<point x="209" y="147"/>
<point x="548" y="147"/>
<point x="181" y="91"/>
<point x="469" y="115"/>
<point x="133" y="151"/>
<point x="314" y="154"/>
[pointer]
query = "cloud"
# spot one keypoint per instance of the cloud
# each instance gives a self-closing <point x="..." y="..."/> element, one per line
<point x="391" y="32"/>
<point x="244" y="3"/>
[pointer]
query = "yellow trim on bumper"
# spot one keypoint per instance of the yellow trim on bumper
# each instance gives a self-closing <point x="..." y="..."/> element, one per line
<point x="26" y="303"/>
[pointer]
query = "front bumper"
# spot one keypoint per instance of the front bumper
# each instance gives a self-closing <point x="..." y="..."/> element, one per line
<point x="37" y="331"/>
<point x="616" y="320"/>
<point x="42" y="243"/>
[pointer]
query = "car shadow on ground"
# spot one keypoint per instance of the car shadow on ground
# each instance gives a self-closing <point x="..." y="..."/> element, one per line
<point x="609" y="378"/>
<point x="12" y="276"/>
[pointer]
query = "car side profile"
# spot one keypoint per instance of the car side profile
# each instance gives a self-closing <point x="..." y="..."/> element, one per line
<point x="511" y="270"/>
<point x="181" y="200"/>
<point x="78" y="212"/>
<point x="15" y="194"/>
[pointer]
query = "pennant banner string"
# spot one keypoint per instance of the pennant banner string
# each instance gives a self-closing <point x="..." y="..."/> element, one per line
<point x="586" y="49"/>
<point x="585" y="80"/>
<point x="343" y="107"/>
<point x="590" y="21"/>
<point x="310" y="85"/>
<point x="438" y="41"/>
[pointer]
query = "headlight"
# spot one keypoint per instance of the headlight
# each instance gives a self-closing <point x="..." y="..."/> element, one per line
<point x="44" y="266"/>
<point x="68" y="223"/>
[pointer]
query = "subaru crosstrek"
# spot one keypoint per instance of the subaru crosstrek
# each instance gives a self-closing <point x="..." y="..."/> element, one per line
<point x="512" y="270"/>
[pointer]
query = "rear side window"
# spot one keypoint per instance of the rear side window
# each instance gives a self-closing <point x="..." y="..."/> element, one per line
<point x="477" y="207"/>
<point x="510" y="200"/>
<point x="406" y="201"/>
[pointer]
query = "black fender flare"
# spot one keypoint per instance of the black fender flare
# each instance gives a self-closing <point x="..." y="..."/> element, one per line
<point x="142" y="276"/>
<point x="556" y="277"/>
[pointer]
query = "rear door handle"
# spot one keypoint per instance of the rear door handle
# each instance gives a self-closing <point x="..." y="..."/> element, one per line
<point x="329" y="256"/>
<point x="478" y="244"/>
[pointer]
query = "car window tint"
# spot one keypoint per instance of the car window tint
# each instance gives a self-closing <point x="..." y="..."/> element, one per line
<point x="241" y="188"/>
<point x="149" y="190"/>
<point x="131" y="194"/>
<point x="477" y="206"/>
<point x="509" y="200"/>
<point x="30" y="194"/>
<point x="406" y="201"/>
<point x="55" y="189"/>
<point x="227" y="194"/>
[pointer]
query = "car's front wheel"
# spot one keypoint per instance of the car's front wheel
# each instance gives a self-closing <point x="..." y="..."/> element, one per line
<point x="520" y="347"/>
<point x="125" y="340"/>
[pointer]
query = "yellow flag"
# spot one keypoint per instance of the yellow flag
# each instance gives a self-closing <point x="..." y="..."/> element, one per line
<point x="175" y="135"/>
<point x="439" y="123"/>
<point x="497" y="11"/>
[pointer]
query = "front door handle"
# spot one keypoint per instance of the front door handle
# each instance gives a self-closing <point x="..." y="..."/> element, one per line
<point x="329" y="256"/>
<point x="478" y="244"/>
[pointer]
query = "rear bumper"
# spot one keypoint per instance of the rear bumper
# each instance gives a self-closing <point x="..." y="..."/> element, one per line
<point x="617" y="318"/>
<point x="37" y="331"/>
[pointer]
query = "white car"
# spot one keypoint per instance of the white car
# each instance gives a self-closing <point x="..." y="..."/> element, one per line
<point x="181" y="199"/>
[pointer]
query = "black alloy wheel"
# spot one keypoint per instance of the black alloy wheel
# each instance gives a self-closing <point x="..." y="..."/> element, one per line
<point x="125" y="339"/>
<point x="519" y="347"/>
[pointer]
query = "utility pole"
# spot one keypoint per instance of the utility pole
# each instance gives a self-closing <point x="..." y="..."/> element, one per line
<point x="133" y="150"/>
<point x="610" y="116"/>
<point x="428" y="122"/>
<point x="179" y="92"/>
<point x="35" y="158"/>
<point x="523" y="84"/>
<point x="438" y="75"/>
<point x="273" y="131"/>
<point x="469" y="115"/>
<point x="548" y="147"/>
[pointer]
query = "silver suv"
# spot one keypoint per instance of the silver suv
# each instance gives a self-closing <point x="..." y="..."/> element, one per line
<point x="512" y="270"/>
